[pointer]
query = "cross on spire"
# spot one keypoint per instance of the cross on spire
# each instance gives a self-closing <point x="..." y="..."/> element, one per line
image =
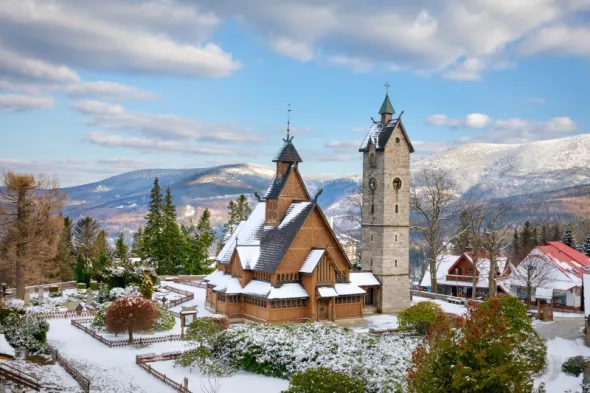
<point x="387" y="86"/>
<point x="288" y="122"/>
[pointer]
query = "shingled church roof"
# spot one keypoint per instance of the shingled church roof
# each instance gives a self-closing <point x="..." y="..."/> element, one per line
<point x="277" y="184"/>
<point x="380" y="133"/>
<point x="287" y="153"/>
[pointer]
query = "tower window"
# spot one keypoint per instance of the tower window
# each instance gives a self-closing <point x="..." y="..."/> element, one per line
<point x="395" y="237"/>
<point x="371" y="262"/>
<point x="396" y="140"/>
<point x="371" y="237"/>
<point x="396" y="208"/>
<point x="372" y="208"/>
<point x="395" y="262"/>
<point x="372" y="160"/>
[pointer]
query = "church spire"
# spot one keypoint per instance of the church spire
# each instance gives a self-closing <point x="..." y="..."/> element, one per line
<point x="386" y="111"/>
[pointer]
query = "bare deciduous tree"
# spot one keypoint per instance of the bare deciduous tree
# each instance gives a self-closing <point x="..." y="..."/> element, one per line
<point x="212" y="385"/>
<point x="434" y="198"/>
<point x="29" y="223"/>
<point x="532" y="273"/>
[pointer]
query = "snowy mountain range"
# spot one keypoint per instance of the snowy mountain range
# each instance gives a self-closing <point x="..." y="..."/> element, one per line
<point x="538" y="178"/>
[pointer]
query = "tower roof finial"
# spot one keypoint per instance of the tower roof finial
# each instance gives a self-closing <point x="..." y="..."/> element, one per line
<point x="386" y="107"/>
<point x="387" y="86"/>
<point x="288" y="122"/>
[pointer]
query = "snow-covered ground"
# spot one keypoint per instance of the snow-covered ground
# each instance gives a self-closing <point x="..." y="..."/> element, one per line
<point x="124" y="336"/>
<point x="199" y="299"/>
<point x="558" y="350"/>
<point x="241" y="382"/>
<point x="52" y="377"/>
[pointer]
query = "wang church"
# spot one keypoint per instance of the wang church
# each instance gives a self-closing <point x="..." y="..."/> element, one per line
<point x="285" y="264"/>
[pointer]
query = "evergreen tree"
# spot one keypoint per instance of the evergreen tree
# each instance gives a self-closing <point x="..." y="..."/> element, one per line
<point x="206" y="236"/>
<point x="171" y="258"/>
<point x="527" y="242"/>
<point x="535" y="237"/>
<point x="464" y="238"/>
<point x="65" y="256"/>
<point x="568" y="237"/>
<point x="516" y="247"/>
<point x="586" y="245"/>
<point x="100" y="254"/>
<point x="147" y="287"/>
<point x="556" y="235"/>
<point x="138" y="246"/>
<point x="243" y="209"/>
<point x="153" y="232"/>
<point x="82" y="274"/>
<point x="121" y="249"/>
<point x="101" y="245"/>
<point x="196" y="241"/>
<point x="544" y="234"/>
<point x="85" y="235"/>
<point x="233" y="219"/>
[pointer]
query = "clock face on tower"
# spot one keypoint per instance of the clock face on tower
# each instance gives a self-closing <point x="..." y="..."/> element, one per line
<point x="397" y="183"/>
<point x="372" y="183"/>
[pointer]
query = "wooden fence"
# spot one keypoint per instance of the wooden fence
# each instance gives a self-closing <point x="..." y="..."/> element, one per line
<point x="81" y="379"/>
<point x="123" y="343"/>
<point x="186" y="296"/>
<point x="198" y="284"/>
<point x="440" y="296"/>
<point x="143" y="360"/>
<point x="15" y="375"/>
<point x="65" y="314"/>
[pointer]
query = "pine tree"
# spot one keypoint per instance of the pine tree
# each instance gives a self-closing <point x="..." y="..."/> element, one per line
<point x="243" y="208"/>
<point x="82" y="274"/>
<point x="556" y="235"/>
<point x="152" y="234"/>
<point x="121" y="250"/>
<point x="100" y="254"/>
<point x="233" y="219"/>
<point x="516" y="247"/>
<point x="206" y="237"/>
<point x="568" y="237"/>
<point x="85" y="235"/>
<point x="171" y="258"/>
<point x="464" y="238"/>
<point x="196" y="242"/>
<point x="527" y="242"/>
<point x="535" y="237"/>
<point x="544" y="234"/>
<point x="586" y="245"/>
<point x="138" y="246"/>
<point x="66" y="257"/>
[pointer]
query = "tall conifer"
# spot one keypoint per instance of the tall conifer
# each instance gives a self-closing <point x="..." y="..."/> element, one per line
<point x="568" y="237"/>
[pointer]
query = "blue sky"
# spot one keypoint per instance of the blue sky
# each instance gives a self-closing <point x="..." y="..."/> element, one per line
<point x="89" y="90"/>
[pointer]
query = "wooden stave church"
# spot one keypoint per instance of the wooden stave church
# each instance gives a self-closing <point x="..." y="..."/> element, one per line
<point x="284" y="263"/>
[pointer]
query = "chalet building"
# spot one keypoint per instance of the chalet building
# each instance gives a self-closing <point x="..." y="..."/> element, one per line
<point x="564" y="278"/>
<point x="284" y="263"/>
<point x="455" y="275"/>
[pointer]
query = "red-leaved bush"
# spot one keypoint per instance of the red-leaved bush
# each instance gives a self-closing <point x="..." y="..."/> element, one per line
<point x="130" y="314"/>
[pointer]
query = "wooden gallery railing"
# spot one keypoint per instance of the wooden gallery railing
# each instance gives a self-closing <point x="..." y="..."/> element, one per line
<point x="122" y="343"/>
<point x="81" y="379"/>
<point x="143" y="360"/>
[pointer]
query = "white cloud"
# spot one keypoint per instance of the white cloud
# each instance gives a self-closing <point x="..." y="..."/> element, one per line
<point x="139" y="36"/>
<point x="344" y="146"/>
<point x="354" y="63"/>
<point x="472" y="120"/>
<point x="18" y="102"/>
<point x="558" y="39"/>
<point x="106" y="90"/>
<point x="117" y="117"/>
<point x="155" y="145"/>
<point x="19" y="67"/>
<point x="299" y="51"/>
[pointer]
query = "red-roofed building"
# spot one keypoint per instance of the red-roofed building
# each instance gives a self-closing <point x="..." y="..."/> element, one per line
<point x="569" y="266"/>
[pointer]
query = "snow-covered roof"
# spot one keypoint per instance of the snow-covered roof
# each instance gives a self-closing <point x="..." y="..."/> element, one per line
<point x="364" y="279"/>
<point x="327" y="292"/>
<point x="5" y="347"/>
<point x="446" y="262"/>
<point x="248" y="256"/>
<point x="544" y="293"/>
<point x="226" y="252"/>
<point x="214" y="277"/>
<point x="288" y="291"/>
<point x="348" y="289"/>
<point x="559" y="278"/>
<point x="257" y="288"/>
<point x="379" y="135"/>
<point x="586" y="294"/>
<point x="311" y="261"/>
<point x="233" y="287"/>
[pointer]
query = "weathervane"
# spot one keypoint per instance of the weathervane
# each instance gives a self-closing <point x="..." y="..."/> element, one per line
<point x="288" y="123"/>
<point x="387" y="86"/>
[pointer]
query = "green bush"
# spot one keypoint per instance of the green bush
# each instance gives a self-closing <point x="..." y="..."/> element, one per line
<point x="147" y="287"/>
<point x="419" y="317"/>
<point x="94" y="285"/>
<point x="98" y="320"/>
<point x="164" y="319"/>
<point x="574" y="366"/>
<point x="27" y="333"/>
<point x="81" y="285"/>
<point x="324" y="380"/>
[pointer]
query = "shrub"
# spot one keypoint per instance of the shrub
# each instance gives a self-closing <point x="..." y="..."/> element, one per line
<point x="99" y="318"/>
<point x="26" y="332"/>
<point x="164" y="319"/>
<point x="130" y="314"/>
<point x="81" y="285"/>
<point x="492" y="350"/>
<point x="419" y="317"/>
<point x="574" y="366"/>
<point x="147" y="287"/>
<point x="116" y="293"/>
<point x="54" y="291"/>
<point x="324" y="380"/>
<point x="94" y="285"/>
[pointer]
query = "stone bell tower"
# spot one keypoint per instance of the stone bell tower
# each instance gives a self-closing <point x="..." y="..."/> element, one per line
<point x="386" y="208"/>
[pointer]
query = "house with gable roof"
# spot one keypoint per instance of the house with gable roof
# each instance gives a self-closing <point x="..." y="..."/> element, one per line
<point x="284" y="263"/>
<point x="565" y="278"/>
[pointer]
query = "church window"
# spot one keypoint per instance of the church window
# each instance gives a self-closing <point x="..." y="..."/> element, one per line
<point x="395" y="262"/>
<point x="372" y="208"/>
<point x="397" y="183"/>
<point x="396" y="140"/>
<point x="395" y="237"/>
<point x="371" y="262"/>
<point x="396" y="208"/>
<point x="372" y="238"/>
<point x="372" y="160"/>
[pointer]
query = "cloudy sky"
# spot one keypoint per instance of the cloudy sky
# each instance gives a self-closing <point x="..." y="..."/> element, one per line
<point x="89" y="89"/>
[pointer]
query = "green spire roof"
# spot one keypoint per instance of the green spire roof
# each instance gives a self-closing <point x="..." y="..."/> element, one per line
<point x="386" y="107"/>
